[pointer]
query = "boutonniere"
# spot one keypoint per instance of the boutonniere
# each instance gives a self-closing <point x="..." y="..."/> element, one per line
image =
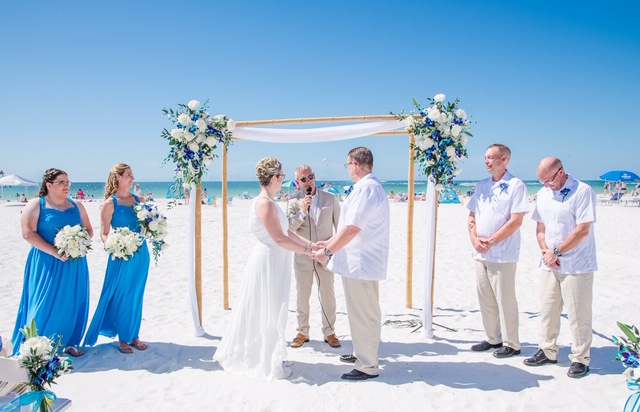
<point x="503" y="187"/>
<point x="564" y="192"/>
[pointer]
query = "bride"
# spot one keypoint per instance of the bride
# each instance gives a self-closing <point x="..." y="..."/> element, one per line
<point x="254" y="344"/>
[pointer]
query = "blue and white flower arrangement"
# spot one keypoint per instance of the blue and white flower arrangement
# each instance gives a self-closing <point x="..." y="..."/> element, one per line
<point x="504" y="186"/>
<point x="564" y="193"/>
<point x="440" y="137"/>
<point x="194" y="138"/>
<point x="629" y="353"/>
<point x="154" y="227"/>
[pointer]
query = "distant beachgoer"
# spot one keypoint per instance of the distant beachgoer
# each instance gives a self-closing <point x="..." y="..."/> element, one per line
<point x="137" y="190"/>
<point x="623" y="188"/>
<point x="185" y="193"/>
<point x="56" y="289"/>
<point x="23" y="198"/>
<point x="80" y="194"/>
<point x="392" y="195"/>
<point x="119" y="311"/>
<point x="636" y="191"/>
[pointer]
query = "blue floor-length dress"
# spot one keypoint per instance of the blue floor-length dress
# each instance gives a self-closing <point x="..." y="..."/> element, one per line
<point x="55" y="293"/>
<point x="119" y="310"/>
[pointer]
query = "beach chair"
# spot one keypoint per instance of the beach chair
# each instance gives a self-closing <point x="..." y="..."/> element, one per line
<point x="614" y="200"/>
<point x="12" y="377"/>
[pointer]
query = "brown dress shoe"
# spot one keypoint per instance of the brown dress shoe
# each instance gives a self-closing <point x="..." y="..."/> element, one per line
<point x="299" y="340"/>
<point x="332" y="340"/>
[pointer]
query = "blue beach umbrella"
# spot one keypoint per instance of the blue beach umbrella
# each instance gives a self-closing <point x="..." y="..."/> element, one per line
<point x="620" y="175"/>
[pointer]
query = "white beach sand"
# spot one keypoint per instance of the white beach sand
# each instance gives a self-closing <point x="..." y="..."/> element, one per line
<point x="177" y="373"/>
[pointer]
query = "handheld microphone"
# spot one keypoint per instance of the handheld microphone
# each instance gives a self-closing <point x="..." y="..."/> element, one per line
<point x="309" y="189"/>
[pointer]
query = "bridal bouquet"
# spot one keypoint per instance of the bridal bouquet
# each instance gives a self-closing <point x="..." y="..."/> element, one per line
<point x="122" y="243"/>
<point x="440" y="138"/>
<point x="154" y="227"/>
<point x="74" y="241"/>
<point x="629" y="353"/>
<point x="39" y="355"/>
<point x="195" y="136"/>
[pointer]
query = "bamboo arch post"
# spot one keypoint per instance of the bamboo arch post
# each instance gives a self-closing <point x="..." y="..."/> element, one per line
<point x="225" y="232"/>
<point x="198" y="246"/>
<point x="435" y="237"/>
<point x="410" y="206"/>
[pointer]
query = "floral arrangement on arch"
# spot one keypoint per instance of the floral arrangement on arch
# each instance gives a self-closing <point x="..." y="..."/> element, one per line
<point x="74" y="241"/>
<point x="440" y="138"/>
<point x="39" y="355"/>
<point x="629" y="353"/>
<point x="154" y="227"/>
<point x="194" y="138"/>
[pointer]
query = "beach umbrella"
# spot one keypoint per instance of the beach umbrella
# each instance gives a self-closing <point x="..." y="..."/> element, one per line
<point x="289" y="184"/>
<point x="15" y="180"/>
<point x="620" y="176"/>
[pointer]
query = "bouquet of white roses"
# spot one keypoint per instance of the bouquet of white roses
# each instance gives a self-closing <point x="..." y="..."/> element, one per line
<point x="154" y="227"/>
<point x="40" y="356"/>
<point x="195" y="136"/>
<point x="74" y="241"/>
<point x="440" y="137"/>
<point x="122" y="243"/>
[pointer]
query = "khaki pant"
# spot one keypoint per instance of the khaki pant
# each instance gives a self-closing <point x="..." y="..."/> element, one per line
<point x="363" y="311"/>
<point x="575" y="293"/>
<point x="496" y="287"/>
<point x="304" y="284"/>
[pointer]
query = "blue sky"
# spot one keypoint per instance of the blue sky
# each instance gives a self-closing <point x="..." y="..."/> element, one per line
<point x="83" y="84"/>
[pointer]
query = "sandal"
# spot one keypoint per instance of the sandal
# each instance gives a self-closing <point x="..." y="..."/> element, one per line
<point x="124" y="347"/>
<point x="73" y="351"/>
<point x="138" y="344"/>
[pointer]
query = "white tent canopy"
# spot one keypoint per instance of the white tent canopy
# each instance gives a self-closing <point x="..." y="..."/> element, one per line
<point x="15" y="180"/>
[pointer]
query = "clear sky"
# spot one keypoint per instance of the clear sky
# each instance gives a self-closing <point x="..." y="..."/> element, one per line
<point x="83" y="83"/>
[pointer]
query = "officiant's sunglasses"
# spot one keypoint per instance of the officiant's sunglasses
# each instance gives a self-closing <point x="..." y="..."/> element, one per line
<point x="310" y="177"/>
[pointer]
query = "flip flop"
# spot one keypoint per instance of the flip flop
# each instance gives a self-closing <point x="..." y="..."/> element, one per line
<point x="124" y="347"/>
<point x="73" y="351"/>
<point x="138" y="344"/>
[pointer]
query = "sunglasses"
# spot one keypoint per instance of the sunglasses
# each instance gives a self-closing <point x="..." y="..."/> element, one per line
<point x="310" y="177"/>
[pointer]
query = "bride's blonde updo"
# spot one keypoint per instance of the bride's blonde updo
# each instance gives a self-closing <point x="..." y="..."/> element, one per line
<point x="111" y="186"/>
<point x="266" y="169"/>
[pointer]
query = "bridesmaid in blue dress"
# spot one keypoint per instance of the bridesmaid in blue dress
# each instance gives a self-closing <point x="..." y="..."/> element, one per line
<point x="56" y="288"/>
<point x="119" y="310"/>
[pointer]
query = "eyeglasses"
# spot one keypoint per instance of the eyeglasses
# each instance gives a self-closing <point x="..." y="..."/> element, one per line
<point x="310" y="177"/>
<point x="347" y="164"/>
<point x="548" y="182"/>
<point x="62" y="183"/>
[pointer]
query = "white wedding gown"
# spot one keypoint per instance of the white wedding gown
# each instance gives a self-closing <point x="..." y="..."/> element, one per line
<point x="254" y="344"/>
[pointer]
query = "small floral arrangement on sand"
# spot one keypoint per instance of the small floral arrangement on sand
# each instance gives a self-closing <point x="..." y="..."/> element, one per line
<point x="39" y="355"/>
<point x="154" y="227"/>
<point x="628" y="353"/>
<point x="194" y="138"/>
<point x="122" y="243"/>
<point x="440" y="138"/>
<point x="74" y="241"/>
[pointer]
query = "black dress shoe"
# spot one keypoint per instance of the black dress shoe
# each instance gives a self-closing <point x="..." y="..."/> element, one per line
<point x="538" y="359"/>
<point x="484" y="345"/>
<point x="348" y="358"/>
<point x="356" y="375"/>
<point x="506" y="352"/>
<point x="577" y="370"/>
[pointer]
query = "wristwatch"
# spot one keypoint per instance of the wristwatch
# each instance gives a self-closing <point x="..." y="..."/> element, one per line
<point x="326" y="252"/>
<point x="556" y="252"/>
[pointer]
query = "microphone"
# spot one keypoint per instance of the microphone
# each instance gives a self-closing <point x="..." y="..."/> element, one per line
<point x="309" y="189"/>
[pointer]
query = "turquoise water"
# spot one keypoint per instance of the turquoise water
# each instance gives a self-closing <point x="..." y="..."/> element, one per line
<point x="237" y="188"/>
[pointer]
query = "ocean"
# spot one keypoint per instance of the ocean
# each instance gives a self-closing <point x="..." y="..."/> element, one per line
<point x="252" y="188"/>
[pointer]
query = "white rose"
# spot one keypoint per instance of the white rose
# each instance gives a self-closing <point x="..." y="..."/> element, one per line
<point x="439" y="97"/>
<point x="207" y="161"/>
<point x="184" y="120"/>
<point x="176" y="133"/>
<point x="455" y="130"/>
<point x="457" y="171"/>
<point x="231" y="125"/>
<point x="193" y="146"/>
<point x="188" y="136"/>
<point x="200" y="138"/>
<point x="219" y="118"/>
<point x="210" y="141"/>
<point x="463" y="139"/>
<point x="193" y="105"/>
<point x="461" y="114"/>
<point x="439" y="187"/>
<point x="451" y="151"/>
<point x="40" y="344"/>
<point x="201" y="124"/>
<point x="410" y="120"/>
<point x="153" y="226"/>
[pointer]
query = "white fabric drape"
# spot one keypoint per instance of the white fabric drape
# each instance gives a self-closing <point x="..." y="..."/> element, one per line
<point x="427" y="315"/>
<point x="317" y="134"/>
<point x="191" y="262"/>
